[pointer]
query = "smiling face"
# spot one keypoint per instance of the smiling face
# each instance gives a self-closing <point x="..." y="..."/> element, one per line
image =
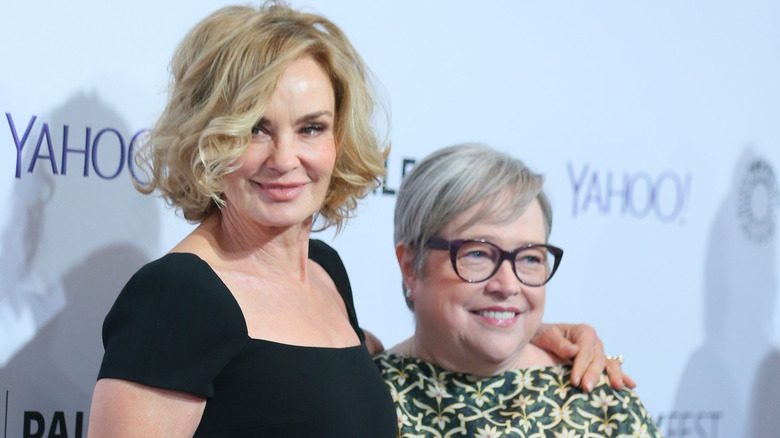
<point x="287" y="167"/>
<point x="479" y="328"/>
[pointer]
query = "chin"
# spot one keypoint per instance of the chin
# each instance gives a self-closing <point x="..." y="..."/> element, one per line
<point x="507" y="345"/>
<point x="501" y="354"/>
<point x="285" y="217"/>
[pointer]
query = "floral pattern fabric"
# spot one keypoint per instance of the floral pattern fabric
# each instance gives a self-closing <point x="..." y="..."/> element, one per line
<point x="532" y="403"/>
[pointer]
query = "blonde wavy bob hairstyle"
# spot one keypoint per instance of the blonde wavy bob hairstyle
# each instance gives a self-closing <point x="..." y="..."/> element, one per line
<point x="222" y="76"/>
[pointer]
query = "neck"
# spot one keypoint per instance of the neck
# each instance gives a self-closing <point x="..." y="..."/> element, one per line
<point x="282" y="250"/>
<point x="462" y="362"/>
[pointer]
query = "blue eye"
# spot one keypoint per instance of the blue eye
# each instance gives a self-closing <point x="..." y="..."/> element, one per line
<point x="532" y="256"/>
<point x="530" y="259"/>
<point x="477" y="254"/>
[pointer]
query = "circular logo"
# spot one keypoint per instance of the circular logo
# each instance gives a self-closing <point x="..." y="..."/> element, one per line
<point x="757" y="199"/>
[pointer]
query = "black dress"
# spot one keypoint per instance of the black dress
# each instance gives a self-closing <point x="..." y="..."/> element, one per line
<point x="175" y="325"/>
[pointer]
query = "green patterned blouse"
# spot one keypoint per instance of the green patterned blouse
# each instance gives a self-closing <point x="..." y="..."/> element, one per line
<point x="535" y="402"/>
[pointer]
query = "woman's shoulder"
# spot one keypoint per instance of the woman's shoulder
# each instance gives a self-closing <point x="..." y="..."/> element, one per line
<point x="173" y="273"/>
<point x="172" y="262"/>
<point x="325" y="255"/>
<point x="172" y="325"/>
<point x="175" y="288"/>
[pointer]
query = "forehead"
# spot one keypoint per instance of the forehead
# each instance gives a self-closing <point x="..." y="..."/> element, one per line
<point x="499" y="226"/>
<point x="305" y="79"/>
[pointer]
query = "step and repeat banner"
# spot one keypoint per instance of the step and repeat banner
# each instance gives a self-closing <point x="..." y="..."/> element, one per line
<point x="656" y="123"/>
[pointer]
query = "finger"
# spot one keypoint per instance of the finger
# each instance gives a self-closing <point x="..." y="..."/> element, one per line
<point x="592" y="374"/>
<point x="583" y="362"/>
<point x="567" y="346"/>
<point x="628" y="381"/>
<point x="554" y="338"/>
<point x="560" y="345"/>
<point x="615" y="374"/>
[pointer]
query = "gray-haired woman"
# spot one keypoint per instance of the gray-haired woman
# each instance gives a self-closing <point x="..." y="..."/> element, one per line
<point x="470" y="368"/>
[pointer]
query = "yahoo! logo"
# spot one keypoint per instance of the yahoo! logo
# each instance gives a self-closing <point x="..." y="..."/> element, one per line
<point x="664" y="195"/>
<point x="96" y="144"/>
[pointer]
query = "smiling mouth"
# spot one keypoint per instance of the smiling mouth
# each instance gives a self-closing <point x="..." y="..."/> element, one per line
<point x="493" y="314"/>
<point x="282" y="192"/>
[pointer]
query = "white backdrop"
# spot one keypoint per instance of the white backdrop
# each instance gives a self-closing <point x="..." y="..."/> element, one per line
<point x="656" y="123"/>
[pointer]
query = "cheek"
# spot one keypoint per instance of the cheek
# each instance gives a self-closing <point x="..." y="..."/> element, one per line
<point x="252" y="158"/>
<point x="444" y="304"/>
<point x="328" y="159"/>
<point x="436" y="316"/>
<point x="229" y="185"/>
<point x="439" y="295"/>
<point x="320" y="156"/>
<point x="537" y="300"/>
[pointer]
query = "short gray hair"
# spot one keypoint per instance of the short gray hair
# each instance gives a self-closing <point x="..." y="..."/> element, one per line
<point x="446" y="183"/>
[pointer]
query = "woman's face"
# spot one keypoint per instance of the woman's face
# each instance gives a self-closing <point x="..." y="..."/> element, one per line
<point x="478" y="327"/>
<point x="287" y="168"/>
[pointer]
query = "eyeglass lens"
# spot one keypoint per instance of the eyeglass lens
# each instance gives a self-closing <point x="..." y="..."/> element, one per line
<point x="477" y="261"/>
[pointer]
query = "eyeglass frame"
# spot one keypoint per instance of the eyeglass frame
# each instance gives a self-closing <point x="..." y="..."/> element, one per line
<point x="453" y="246"/>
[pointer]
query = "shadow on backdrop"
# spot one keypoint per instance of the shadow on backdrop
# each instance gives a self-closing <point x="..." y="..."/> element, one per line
<point x="718" y="388"/>
<point x="70" y="245"/>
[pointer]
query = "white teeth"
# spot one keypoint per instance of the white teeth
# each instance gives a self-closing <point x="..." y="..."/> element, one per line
<point x="496" y="315"/>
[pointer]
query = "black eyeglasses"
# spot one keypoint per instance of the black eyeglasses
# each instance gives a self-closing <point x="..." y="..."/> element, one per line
<point x="477" y="260"/>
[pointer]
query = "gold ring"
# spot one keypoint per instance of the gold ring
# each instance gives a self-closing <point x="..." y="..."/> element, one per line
<point x="619" y="358"/>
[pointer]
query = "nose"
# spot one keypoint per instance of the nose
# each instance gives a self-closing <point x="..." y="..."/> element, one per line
<point x="283" y="156"/>
<point x="504" y="282"/>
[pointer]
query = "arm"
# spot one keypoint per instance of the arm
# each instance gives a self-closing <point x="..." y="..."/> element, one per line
<point x="373" y="343"/>
<point x="581" y="343"/>
<point x="126" y="409"/>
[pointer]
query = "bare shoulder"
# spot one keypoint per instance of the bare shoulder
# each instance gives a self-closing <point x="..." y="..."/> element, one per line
<point x="121" y="408"/>
<point x="199" y="242"/>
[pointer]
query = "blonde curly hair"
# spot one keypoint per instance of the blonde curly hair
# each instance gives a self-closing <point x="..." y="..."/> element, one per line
<point x="222" y="75"/>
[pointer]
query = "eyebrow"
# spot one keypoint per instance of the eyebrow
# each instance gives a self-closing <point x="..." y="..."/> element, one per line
<point x="313" y="116"/>
<point x="492" y="239"/>
<point x="303" y="119"/>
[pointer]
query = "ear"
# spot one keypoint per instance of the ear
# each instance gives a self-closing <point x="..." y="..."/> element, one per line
<point x="405" y="256"/>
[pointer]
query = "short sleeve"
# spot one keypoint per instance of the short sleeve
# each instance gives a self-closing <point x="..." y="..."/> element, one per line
<point x="327" y="257"/>
<point x="174" y="326"/>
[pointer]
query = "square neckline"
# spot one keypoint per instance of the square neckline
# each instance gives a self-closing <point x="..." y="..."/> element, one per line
<point x="361" y="344"/>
